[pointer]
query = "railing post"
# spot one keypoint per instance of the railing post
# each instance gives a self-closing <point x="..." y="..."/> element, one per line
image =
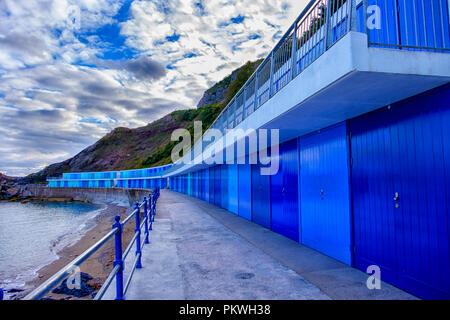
<point x="349" y="15"/>
<point x="327" y="24"/>
<point x="256" y="89"/>
<point x="1" y="294"/>
<point x="150" y="211"/>
<point x="154" y="198"/>
<point x="272" y="63"/>
<point x="118" y="259"/>
<point x="294" y="52"/>
<point x="146" y="214"/>
<point x="138" y="238"/>
<point x="244" y="106"/>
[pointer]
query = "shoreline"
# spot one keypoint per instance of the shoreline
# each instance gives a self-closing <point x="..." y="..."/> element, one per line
<point x="98" y="266"/>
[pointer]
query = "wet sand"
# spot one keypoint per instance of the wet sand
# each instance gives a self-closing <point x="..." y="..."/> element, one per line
<point x="99" y="265"/>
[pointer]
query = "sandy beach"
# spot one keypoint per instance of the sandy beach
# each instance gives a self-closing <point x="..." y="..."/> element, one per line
<point x="99" y="265"/>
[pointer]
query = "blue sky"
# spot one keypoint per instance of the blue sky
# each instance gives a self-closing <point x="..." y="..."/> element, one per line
<point x="71" y="71"/>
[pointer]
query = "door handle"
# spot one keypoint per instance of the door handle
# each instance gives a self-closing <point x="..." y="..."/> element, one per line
<point x="396" y="197"/>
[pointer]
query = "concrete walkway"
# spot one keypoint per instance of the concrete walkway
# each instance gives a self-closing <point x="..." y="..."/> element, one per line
<point x="200" y="251"/>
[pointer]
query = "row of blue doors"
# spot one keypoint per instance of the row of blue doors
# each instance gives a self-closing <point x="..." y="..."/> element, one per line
<point x="374" y="190"/>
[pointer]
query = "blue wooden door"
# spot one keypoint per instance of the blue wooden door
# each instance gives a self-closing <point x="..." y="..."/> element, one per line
<point x="211" y="185"/>
<point x="260" y="197"/>
<point x="233" y="195"/>
<point x="223" y="180"/>
<point x="401" y="196"/>
<point x="284" y="192"/>
<point x="217" y="186"/>
<point x="324" y="190"/>
<point x="245" y="191"/>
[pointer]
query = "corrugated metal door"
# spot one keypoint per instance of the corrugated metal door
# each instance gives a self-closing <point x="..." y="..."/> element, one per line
<point x="245" y="191"/>
<point x="260" y="197"/>
<point x="324" y="192"/>
<point x="233" y="195"/>
<point x="400" y="177"/>
<point x="284" y="192"/>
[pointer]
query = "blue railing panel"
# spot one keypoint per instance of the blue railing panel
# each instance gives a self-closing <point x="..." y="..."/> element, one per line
<point x="412" y="25"/>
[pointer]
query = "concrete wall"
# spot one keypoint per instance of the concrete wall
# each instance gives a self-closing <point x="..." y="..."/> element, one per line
<point x="125" y="197"/>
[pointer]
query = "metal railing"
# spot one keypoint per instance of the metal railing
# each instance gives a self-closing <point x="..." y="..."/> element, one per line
<point x="315" y="30"/>
<point x="149" y="207"/>
<point x="409" y="24"/>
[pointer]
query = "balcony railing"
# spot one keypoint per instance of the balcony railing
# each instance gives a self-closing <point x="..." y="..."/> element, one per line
<point x="305" y="41"/>
<point x="408" y="24"/>
<point x="149" y="207"/>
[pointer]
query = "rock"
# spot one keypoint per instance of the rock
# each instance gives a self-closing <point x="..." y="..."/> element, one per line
<point x="14" y="290"/>
<point x="95" y="283"/>
<point x="85" y="288"/>
<point x="14" y="191"/>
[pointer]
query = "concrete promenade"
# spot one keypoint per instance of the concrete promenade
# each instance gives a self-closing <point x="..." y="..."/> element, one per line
<point x="200" y="251"/>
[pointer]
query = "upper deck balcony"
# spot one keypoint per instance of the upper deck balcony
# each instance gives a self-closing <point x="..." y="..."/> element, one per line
<point x="341" y="59"/>
<point x="156" y="172"/>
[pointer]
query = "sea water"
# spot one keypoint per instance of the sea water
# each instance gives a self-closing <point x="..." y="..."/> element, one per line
<point x="31" y="234"/>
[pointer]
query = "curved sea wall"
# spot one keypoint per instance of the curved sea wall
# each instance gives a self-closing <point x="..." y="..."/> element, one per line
<point x="124" y="197"/>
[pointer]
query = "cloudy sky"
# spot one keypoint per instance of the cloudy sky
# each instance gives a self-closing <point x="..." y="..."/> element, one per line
<point x="71" y="71"/>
